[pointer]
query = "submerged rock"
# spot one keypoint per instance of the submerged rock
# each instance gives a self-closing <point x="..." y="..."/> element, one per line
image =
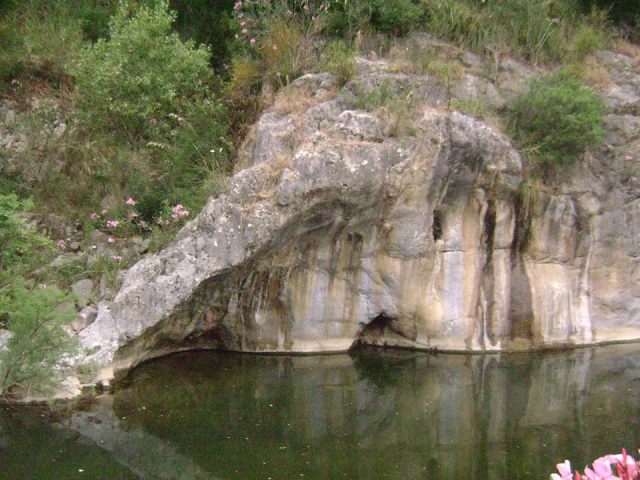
<point x="358" y="220"/>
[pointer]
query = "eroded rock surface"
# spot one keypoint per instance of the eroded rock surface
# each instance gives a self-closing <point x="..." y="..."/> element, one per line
<point x="382" y="216"/>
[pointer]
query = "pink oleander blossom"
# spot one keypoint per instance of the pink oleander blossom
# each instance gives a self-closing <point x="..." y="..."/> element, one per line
<point x="609" y="467"/>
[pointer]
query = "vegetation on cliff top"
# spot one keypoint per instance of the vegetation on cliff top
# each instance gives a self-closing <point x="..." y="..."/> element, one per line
<point x="148" y="100"/>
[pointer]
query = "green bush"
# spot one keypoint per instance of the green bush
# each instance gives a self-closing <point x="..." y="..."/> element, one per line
<point x="38" y="41"/>
<point x="533" y="29"/>
<point x="397" y="17"/>
<point x="340" y="60"/>
<point x="20" y="247"/>
<point x="558" y="117"/>
<point x="36" y="320"/>
<point x="141" y="74"/>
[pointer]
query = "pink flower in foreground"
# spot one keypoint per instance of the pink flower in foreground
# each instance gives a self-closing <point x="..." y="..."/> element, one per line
<point x="245" y="31"/>
<point x="130" y="201"/>
<point x="565" y="471"/>
<point x="628" y="157"/>
<point x="95" y="216"/>
<point x="117" y="258"/>
<point x="104" y="212"/>
<point x="61" y="244"/>
<point x="625" y="466"/>
<point x="253" y="40"/>
<point x="111" y="240"/>
<point x="601" y="470"/>
<point x="113" y="223"/>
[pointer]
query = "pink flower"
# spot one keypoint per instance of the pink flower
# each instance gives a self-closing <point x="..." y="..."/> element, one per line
<point x="117" y="258"/>
<point x="153" y="121"/>
<point x="628" y="157"/>
<point x="133" y="215"/>
<point x="159" y="221"/>
<point x="565" y="471"/>
<point x="104" y="212"/>
<point x="626" y="465"/>
<point x="95" y="216"/>
<point x="130" y="201"/>
<point x="240" y="15"/>
<point x="244" y="31"/>
<point x="242" y="24"/>
<point x="111" y="240"/>
<point x="275" y="47"/>
<point x="253" y="40"/>
<point x="62" y="244"/>
<point x="306" y="7"/>
<point x="601" y="469"/>
<point x="113" y="223"/>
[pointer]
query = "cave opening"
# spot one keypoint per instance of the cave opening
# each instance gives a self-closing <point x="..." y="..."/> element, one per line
<point x="373" y="331"/>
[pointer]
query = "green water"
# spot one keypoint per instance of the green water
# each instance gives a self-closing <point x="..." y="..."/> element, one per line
<point x="385" y="414"/>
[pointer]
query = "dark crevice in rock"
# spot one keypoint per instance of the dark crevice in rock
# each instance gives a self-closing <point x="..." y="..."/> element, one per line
<point x="520" y="304"/>
<point x="488" y="234"/>
<point x="488" y="279"/>
<point x="436" y="226"/>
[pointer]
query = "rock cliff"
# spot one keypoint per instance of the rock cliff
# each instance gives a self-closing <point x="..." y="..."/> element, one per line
<point x="375" y="213"/>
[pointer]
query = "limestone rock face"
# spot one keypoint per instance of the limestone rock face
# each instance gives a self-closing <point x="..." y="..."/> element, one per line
<point x="381" y="216"/>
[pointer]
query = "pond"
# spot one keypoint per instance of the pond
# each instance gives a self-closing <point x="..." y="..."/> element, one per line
<point x="377" y="414"/>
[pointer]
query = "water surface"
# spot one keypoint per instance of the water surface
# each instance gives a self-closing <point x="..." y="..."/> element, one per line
<point x="380" y="414"/>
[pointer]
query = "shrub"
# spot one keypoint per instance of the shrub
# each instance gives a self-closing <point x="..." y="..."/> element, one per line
<point x="558" y="117"/>
<point x="278" y="35"/>
<point x="38" y="41"/>
<point x="338" y="59"/>
<point x="20" y="247"/>
<point x="397" y="17"/>
<point x="141" y="74"/>
<point x="533" y="29"/>
<point x="36" y="321"/>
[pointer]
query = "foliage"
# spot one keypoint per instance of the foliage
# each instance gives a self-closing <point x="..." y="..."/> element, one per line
<point x="206" y="22"/>
<point x="338" y="59"/>
<point x="392" y="102"/>
<point x="349" y="18"/>
<point x="531" y="29"/>
<point x="19" y="246"/>
<point x="36" y="321"/>
<point x="278" y="36"/>
<point x="558" y="116"/>
<point x="142" y="73"/>
<point x="38" y="41"/>
<point x="397" y="17"/>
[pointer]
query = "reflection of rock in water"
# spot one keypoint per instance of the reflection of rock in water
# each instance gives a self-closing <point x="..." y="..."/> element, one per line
<point x="393" y="413"/>
<point x="145" y="455"/>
